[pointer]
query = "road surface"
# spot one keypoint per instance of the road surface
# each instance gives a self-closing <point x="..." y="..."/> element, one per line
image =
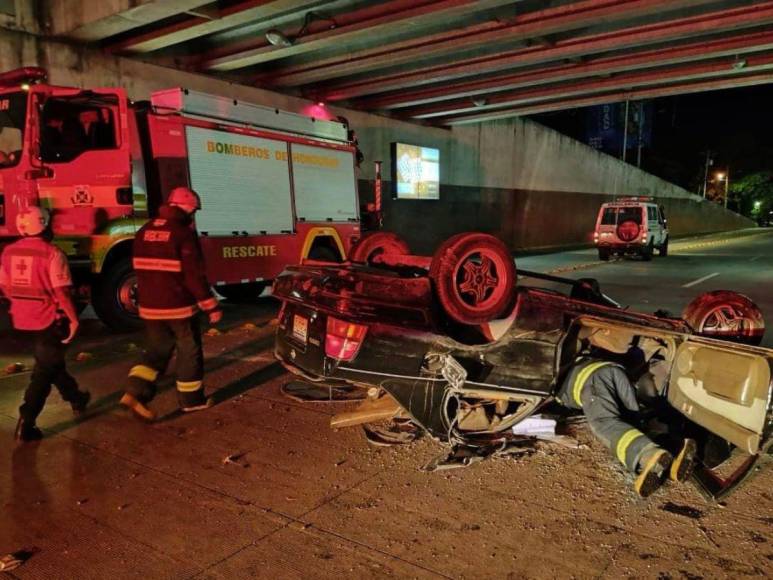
<point x="260" y="486"/>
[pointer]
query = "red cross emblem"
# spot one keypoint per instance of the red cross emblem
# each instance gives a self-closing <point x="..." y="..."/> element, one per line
<point x="22" y="267"/>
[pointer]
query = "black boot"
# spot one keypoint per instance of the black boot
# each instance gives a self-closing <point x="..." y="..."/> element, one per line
<point x="26" y="431"/>
<point x="79" y="405"/>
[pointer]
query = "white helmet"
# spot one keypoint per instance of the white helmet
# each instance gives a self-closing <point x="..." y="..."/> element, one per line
<point x="32" y="221"/>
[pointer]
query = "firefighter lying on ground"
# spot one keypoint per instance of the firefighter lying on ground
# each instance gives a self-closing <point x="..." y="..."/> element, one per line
<point x="35" y="277"/>
<point x="171" y="290"/>
<point x="602" y="389"/>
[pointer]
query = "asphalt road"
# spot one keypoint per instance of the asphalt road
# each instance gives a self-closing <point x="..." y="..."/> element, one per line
<point x="743" y="264"/>
<point x="259" y="486"/>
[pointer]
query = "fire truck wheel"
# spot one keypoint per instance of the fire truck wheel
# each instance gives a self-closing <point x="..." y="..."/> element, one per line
<point x="474" y="277"/>
<point x="241" y="293"/>
<point x="726" y="315"/>
<point x="374" y="244"/>
<point x="114" y="297"/>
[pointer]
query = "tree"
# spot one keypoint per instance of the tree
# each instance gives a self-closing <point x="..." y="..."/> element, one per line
<point x="754" y="193"/>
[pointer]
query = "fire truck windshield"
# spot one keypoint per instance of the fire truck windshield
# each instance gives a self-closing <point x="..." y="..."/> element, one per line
<point x="13" y="110"/>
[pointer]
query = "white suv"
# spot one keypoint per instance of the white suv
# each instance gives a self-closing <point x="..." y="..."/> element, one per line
<point x="631" y="225"/>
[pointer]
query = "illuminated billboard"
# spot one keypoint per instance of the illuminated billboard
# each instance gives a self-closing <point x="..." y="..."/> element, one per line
<point x="415" y="172"/>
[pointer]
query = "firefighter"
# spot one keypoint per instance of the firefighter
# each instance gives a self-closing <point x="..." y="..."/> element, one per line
<point x="602" y="390"/>
<point x="35" y="277"/>
<point x="171" y="289"/>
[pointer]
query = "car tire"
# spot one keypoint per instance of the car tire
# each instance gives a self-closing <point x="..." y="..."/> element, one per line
<point x="604" y="255"/>
<point x="663" y="250"/>
<point x="474" y="277"/>
<point x="377" y="243"/>
<point x="726" y="315"/>
<point x="114" y="297"/>
<point x="242" y="293"/>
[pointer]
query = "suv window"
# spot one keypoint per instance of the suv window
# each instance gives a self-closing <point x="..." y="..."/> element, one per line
<point x="618" y="215"/>
<point x="71" y="126"/>
<point x="652" y="213"/>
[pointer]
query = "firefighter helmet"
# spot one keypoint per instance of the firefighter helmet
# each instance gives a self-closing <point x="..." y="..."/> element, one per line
<point x="184" y="197"/>
<point x="32" y="220"/>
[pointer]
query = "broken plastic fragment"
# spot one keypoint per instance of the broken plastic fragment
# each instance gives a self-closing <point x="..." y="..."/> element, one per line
<point x="83" y="356"/>
<point x="213" y="332"/>
<point x="14" y="560"/>
<point x="535" y="426"/>
<point x="14" y="368"/>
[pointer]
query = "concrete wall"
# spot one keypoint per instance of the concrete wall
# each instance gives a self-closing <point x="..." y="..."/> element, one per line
<point x="530" y="185"/>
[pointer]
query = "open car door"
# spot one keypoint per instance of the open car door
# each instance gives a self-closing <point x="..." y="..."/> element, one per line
<point x="726" y="390"/>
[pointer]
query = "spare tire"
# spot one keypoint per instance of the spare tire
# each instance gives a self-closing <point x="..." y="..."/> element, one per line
<point x="374" y="244"/>
<point x="726" y="315"/>
<point x="474" y="277"/>
<point x="628" y="231"/>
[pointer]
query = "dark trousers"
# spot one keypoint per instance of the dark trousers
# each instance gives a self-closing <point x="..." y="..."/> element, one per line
<point x="163" y="338"/>
<point x="50" y="368"/>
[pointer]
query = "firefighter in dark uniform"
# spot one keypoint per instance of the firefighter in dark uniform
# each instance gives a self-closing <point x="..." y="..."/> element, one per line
<point x="171" y="290"/>
<point x="603" y="391"/>
<point x="35" y="277"/>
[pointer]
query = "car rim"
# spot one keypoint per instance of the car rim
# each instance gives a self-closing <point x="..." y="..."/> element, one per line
<point x="478" y="279"/>
<point x="127" y="295"/>
<point x="726" y="320"/>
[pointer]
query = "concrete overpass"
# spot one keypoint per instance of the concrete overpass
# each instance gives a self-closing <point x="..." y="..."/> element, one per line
<point x="395" y="69"/>
<point x="442" y="62"/>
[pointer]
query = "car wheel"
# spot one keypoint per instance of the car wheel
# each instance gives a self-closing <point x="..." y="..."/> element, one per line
<point x="114" y="297"/>
<point x="376" y="243"/>
<point x="604" y="255"/>
<point x="663" y="250"/>
<point x="474" y="277"/>
<point x="726" y="315"/>
<point x="241" y="293"/>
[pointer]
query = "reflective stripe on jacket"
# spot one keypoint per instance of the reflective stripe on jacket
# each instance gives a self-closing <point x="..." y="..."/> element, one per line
<point x="571" y="390"/>
<point x="171" y="279"/>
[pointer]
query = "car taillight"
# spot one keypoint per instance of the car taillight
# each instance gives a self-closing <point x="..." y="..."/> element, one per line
<point x="343" y="339"/>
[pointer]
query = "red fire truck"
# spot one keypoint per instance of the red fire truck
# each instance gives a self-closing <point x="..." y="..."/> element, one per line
<point x="276" y="187"/>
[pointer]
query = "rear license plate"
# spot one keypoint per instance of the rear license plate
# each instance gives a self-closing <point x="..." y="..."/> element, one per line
<point x="300" y="328"/>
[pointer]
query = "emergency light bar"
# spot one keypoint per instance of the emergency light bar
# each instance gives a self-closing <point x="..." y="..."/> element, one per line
<point x="636" y="198"/>
<point x="20" y="76"/>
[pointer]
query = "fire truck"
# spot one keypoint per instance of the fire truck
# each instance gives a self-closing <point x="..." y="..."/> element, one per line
<point x="276" y="187"/>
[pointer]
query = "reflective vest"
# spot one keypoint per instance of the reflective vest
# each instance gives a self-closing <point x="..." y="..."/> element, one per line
<point x="30" y="270"/>
<point x="171" y="279"/>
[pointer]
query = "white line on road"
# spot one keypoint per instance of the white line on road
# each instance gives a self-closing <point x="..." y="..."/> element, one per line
<point x="755" y="258"/>
<point x="699" y="280"/>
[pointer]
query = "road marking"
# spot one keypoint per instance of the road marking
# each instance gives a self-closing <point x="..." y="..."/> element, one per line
<point x="755" y="258"/>
<point x="699" y="280"/>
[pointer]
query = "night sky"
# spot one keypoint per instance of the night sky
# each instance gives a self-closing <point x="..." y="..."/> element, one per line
<point x="736" y="124"/>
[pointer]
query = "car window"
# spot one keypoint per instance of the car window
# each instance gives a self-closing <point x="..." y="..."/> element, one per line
<point x="608" y="218"/>
<point x="652" y="213"/>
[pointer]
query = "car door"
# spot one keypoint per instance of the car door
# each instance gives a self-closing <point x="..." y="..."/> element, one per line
<point x="725" y="389"/>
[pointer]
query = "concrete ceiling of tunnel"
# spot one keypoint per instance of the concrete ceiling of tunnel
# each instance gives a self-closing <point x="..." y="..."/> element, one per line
<point x="443" y="62"/>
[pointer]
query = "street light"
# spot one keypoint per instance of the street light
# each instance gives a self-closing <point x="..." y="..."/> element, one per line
<point x="726" y="178"/>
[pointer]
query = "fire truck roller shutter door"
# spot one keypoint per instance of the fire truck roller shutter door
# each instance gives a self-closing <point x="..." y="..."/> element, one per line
<point x="244" y="186"/>
<point x="325" y="184"/>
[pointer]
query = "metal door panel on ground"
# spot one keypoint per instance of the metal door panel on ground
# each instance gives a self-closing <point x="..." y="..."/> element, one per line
<point x="726" y="390"/>
<point x="243" y="181"/>
<point x="324" y="183"/>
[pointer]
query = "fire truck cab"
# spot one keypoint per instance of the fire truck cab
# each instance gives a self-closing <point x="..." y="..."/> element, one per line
<point x="276" y="187"/>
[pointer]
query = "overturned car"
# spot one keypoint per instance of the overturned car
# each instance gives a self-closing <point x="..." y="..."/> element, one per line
<point x="467" y="353"/>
